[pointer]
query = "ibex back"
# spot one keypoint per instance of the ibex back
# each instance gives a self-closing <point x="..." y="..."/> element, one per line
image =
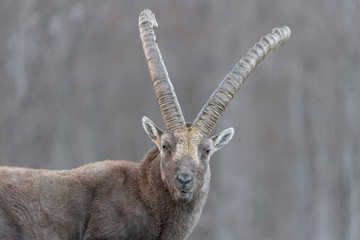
<point x="159" y="198"/>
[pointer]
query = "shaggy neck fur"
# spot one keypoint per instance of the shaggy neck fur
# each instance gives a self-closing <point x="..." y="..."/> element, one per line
<point x="171" y="218"/>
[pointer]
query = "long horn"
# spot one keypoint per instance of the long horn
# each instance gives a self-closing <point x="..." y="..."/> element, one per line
<point x="221" y="97"/>
<point x="165" y="93"/>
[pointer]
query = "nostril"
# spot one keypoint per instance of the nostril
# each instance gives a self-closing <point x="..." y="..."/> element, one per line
<point x="184" y="178"/>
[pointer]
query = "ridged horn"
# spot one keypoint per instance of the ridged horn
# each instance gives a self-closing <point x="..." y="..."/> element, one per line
<point x="221" y="97"/>
<point x="165" y="93"/>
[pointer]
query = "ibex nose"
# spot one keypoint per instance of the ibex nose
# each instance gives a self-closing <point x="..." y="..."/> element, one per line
<point x="184" y="181"/>
<point x="184" y="178"/>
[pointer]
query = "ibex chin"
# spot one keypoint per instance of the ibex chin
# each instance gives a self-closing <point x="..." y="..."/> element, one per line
<point x="159" y="198"/>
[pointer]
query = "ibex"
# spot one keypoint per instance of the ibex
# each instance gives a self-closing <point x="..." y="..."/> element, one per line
<point x="159" y="198"/>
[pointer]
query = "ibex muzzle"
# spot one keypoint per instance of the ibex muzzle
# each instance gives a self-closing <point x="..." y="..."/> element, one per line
<point x="184" y="183"/>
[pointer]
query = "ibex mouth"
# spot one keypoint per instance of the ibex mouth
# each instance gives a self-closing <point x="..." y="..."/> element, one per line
<point x="183" y="197"/>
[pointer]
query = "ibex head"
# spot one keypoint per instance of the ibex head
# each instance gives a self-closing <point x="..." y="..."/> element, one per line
<point x="185" y="148"/>
<point x="185" y="154"/>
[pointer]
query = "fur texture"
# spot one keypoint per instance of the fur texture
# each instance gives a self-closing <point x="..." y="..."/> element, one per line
<point x="103" y="200"/>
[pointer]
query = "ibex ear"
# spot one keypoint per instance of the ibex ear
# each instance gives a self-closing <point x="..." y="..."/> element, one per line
<point x="152" y="130"/>
<point x="222" y="139"/>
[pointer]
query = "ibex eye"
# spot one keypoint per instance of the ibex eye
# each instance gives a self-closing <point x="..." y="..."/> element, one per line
<point x="165" y="148"/>
<point x="206" y="152"/>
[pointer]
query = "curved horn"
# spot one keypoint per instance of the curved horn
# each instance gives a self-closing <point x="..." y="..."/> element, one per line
<point x="165" y="93"/>
<point x="221" y="97"/>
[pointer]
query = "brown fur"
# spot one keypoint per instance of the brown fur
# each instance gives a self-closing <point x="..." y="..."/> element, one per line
<point x="103" y="200"/>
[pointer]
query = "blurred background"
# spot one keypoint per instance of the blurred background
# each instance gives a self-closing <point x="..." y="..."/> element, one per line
<point x="74" y="86"/>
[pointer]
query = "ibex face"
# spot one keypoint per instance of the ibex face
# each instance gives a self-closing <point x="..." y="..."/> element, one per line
<point x="185" y="155"/>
